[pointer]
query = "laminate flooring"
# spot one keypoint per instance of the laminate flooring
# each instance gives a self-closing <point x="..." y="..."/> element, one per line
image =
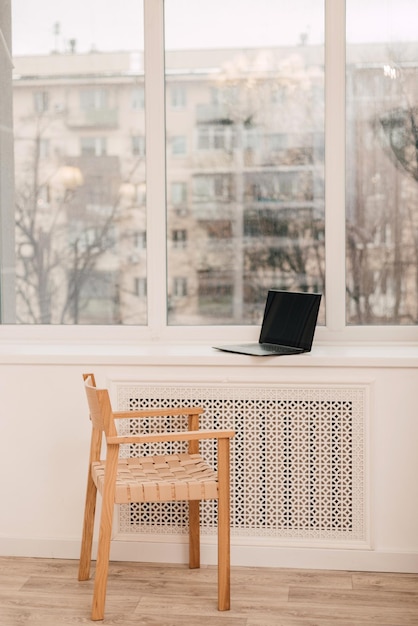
<point x="46" y="592"/>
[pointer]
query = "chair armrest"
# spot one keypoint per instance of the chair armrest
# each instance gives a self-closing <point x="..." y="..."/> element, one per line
<point x="196" y="410"/>
<point x="187" y="435"/>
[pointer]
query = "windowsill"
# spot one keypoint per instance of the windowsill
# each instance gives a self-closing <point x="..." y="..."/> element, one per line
<point x="194" y="354"/>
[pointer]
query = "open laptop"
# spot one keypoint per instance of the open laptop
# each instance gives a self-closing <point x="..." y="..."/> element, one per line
<point x="288" y="326"/>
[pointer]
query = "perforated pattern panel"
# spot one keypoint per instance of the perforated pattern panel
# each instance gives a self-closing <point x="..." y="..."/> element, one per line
<point x="298" y="461"/>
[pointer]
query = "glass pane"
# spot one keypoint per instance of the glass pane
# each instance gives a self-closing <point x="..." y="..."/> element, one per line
<point x="245" y="155"/>
<point x="79" y="127"/>
<point x="382" y="162"/>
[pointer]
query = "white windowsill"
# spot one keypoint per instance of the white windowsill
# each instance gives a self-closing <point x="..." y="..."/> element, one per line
<point x="194" y="354"/>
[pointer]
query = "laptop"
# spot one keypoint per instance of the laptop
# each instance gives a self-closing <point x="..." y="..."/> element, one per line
<point x="288" y="326"/>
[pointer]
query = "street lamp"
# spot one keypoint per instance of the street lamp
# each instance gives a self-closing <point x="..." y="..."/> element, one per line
<point x="68" y="177"/>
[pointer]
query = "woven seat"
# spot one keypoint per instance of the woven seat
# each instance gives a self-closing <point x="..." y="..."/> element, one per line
<point x="159" y="478"/>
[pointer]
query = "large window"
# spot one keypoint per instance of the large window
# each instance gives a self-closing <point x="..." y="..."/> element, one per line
<point x="281" y="152"/>
<point x="382" y="163"/>
<point x="255" y="160"/>
<point x="79" y="148"/>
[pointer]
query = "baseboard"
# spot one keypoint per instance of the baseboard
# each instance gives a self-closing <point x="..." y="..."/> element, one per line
<point x="241" y="555"/>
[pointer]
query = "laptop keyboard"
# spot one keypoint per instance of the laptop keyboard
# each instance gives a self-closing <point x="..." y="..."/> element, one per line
<point x="274" y="349"/>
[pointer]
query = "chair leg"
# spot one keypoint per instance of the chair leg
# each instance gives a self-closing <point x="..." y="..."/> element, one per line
<point x="194" y="534"/>
<point x="105" y="534"/>
<point x="89" y="510"/>
<point x="102" y="566"/>
<point x="88" y="528"/>
<point x="224" y="558"/>
<point x="194" y="505"/>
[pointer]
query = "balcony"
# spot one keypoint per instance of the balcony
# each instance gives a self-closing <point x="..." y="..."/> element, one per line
<point x="213" y="114"/>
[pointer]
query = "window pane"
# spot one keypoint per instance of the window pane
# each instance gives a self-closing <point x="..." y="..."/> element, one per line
<point x="245" y="135"/>
<point x="78" y="100"/>
<point x="382" y="163"/>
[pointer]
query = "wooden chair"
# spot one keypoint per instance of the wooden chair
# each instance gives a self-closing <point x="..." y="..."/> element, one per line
<point x="183" y="476"/>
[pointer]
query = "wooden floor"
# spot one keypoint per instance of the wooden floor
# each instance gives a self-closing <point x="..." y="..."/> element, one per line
<point x="45" y="592"/>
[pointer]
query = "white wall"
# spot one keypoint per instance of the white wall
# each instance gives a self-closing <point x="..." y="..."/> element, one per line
<point x="45" y="442"/>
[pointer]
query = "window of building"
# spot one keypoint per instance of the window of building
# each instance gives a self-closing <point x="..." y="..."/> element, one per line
<point x="138" y="145"/>
<point x="179" y="237"/>
<point x="140" y="287"/>
<point x="180" y="287"/>
<point x="93" y="146"/>
<point x="178" y="96"/>
<point x="178" y="145"/>
<point x="41" y="101"/>
<point x="44" y="148"/>
<point x="178" y="193"/>
<point x="94" y="99"/>
<point x="140" y="240"/>
<point x="138" y="98"/>
<point x="262" y="196"/>
<point x="212" y="186"/>
<point x="215" y="138"/>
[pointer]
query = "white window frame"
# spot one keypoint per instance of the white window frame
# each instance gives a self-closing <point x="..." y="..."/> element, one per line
<point x="335" y="332"/>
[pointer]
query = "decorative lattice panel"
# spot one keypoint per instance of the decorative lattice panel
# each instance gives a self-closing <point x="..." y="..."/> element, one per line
<point x="298" y="460"/>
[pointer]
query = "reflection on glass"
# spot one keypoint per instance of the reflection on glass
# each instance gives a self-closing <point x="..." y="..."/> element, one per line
<point x="382" y="162"/>
<point x="245" y="155"/>
<point x="79" y="130"/>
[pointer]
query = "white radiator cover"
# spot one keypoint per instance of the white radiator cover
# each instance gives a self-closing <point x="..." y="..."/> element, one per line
<point x="299" y="461"/>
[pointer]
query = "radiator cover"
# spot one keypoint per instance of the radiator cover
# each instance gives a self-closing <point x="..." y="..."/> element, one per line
<point x="299" y="460"/>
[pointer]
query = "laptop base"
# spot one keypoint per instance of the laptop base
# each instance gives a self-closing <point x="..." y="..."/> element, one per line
<point x="260" y="349"/>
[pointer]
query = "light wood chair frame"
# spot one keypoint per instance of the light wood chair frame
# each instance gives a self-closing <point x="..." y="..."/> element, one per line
<point x="103" y="424"/>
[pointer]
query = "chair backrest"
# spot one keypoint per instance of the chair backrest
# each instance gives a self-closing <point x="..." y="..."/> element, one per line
<point x="100" y="408"/>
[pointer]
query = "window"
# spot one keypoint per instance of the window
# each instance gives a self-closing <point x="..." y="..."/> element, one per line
<point x="94" y="99"/>
<point x="140" y="287"/>
<point x="178" y="193"/>
<point x="179" y="238"/>
<point x="241" y="178"/>
<point x="212" y="187"/>
<point x="41" y="101"/>
<point x="215" y="138"/>
<point x="140" y="240"/>
<point x="138" y="98"/>
<point x="382" y="168"/>
<point x="93" y="146"/>
<point x="178" y="145"/>
<point x="44" y="148"/>
<point x="138" y="145"/>
<point x="178" y="97"/>
<point x="180" y="287"/>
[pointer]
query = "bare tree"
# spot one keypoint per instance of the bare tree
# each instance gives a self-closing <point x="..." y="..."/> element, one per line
<point x="59" y="242"/>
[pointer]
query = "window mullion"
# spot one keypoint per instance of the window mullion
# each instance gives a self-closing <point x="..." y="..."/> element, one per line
<point x="7" y="218"/>
<point x="155" y="164"/>
<point x="335" y="163"/>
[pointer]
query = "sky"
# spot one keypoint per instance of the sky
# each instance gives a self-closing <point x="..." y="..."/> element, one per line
<point x="101" y="25"/>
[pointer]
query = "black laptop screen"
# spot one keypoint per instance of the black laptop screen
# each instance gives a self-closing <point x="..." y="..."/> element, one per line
<point x="290" y="318"/>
